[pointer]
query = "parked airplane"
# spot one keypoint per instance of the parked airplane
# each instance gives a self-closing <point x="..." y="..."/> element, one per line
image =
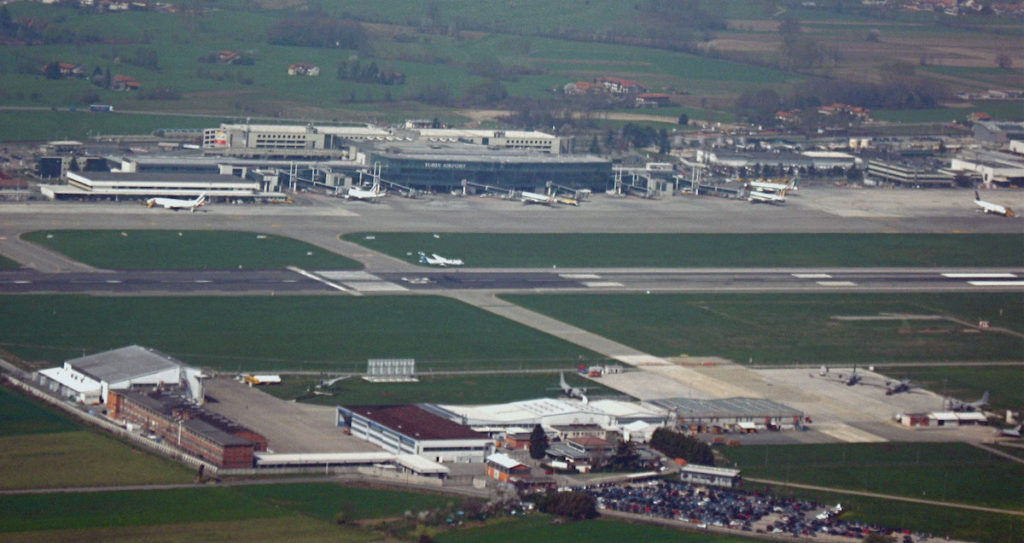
<point x="176" y="204"/>
<point x="572" y="392"/>
<point x="765" y="186"/>
<point x="438" y="260"/>
<point x="896" y="387"/>
<point x="534" y="198"/>
<point x="1011" y="432"/>
<point x="956" y="405"/>
<point x="372" y="194"/>
<point x="989" y="207"/>
<point x="849" y="380"/>
<point x="761" y="197"/>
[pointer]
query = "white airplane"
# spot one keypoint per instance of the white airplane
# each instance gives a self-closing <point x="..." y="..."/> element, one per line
<point x="534" y="198"/>
<point x="572" y="392"/>
<point x="438" y="260"/>
<point x="989" y="207"/>
<point x="1011" y="432"/>
<point x="956" y="405"/>
<point x="176" y="204"/>
<point x="761" y="197"/>
<point x="372" y="194"/>
<point x="765" y="186"/>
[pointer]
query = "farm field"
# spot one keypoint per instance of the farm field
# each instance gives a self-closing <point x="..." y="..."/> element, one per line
<point x="81" y="125"/>
<point x="796" y="328"/>
<point x="447" y="389"/>
<point x="325" y="333"/>
<point x="323" y="500"/>
<point x="540" y="528"/>
<point x="43" y="448"/>
<point x="1004" y="383"/>
<point x="188" y="250"/>
<point x="961" y="524"/>
<point x="702" y="250"/>
<point x="952" y="472"/>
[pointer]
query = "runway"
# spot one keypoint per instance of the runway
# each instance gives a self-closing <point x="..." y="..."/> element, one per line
<point x="427" y="281"/>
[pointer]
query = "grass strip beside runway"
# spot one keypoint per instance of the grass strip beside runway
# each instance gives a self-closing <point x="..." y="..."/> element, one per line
<point x="702" y="250"/>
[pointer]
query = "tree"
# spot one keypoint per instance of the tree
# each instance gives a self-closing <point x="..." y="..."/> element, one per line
<point x="52" y="70"/>
<point x="676" y="445"/>
<point x="625" y="458"/>
<point x="1004" y="61"/>
<point x="538" y="443"/>
<point x="684" y="119"/>
<point x="595" y="146"/>
<point x="577" y="505"/>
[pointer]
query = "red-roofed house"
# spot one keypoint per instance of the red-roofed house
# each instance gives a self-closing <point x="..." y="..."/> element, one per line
<point x="124" y="83"/>
<point x="408" y="429"/>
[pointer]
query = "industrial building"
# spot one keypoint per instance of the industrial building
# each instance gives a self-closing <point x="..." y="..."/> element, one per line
<point x="697" y="474"/>
<point x="89" y="379"/>
<point x="996" y="168"/>
<point x="283" y="140"/>
<point x="171" y="417"/>
<point x="731" y="414"/>
<point x="997" y="134"/>
<point x="505" y="468"/>
<point x="524" y="414"/>
<point x="820" y="160"/>
<point x="408" y="429"/>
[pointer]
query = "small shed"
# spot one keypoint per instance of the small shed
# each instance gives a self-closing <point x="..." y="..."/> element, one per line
<point x="710" y="475"/>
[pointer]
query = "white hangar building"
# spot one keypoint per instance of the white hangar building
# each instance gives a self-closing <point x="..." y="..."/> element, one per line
<point x="88" y="379"/>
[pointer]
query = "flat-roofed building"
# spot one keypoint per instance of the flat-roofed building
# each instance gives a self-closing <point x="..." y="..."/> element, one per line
<point x="709" y="475"/>
<point x="701" y="415"/>
<point x="144" y="185"/>
<point x="170" y="415"/>
<point x="284" y="140"/>
<point x="906" y="174"/>
<point x="997" y="168"/>
<point x="408" y="429"/>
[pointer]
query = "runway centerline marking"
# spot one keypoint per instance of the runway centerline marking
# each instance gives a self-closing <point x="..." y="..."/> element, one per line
<point x="599" y="284"/>
<point x="980" y="275"/>
<point x="579" y="276"/>
<point x="837" y="283"/>
<point x="812" y="276"/>
<point x="996" y="283"/>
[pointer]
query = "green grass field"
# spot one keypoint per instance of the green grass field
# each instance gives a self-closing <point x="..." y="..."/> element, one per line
<point x="541" y="528"/>
<point x="294" y="528"/>
<point x="323" y="500"/>
<point x="702" y="250"/>
<point x="1004" y="383"/>
<point x="961" y="524"/>
<point x="464" y="390"/>
<point x="7" y="263"/>
<point x="81" y="458"/>
<point x="327" y="333"/>
<point x="795" y="328"/>
<point x="80" y="125"/>
<point x="952" y="472"/>
<point x="173" y="249"/>
<point x="20" y="415"/>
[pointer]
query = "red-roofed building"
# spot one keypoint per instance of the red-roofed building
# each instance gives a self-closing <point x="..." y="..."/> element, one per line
<point x="124" y="83"/>
<point x="505" y="468"/>
<point x="408" y="429"/>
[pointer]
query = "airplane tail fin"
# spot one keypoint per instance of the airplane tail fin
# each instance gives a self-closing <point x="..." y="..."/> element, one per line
<point x="984" y="399"/>
<point x="1010" y="213"/>
<point x="561" y="380"/>
<point x="976" y="196"/>
<point x="423" y="258"/>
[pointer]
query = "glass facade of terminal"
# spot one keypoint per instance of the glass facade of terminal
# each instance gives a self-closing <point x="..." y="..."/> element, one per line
<point x="447" y="174"/>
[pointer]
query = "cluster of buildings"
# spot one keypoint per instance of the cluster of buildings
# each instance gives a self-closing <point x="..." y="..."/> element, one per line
<point x="619" y="88"/>
<point x="155" y="395"/>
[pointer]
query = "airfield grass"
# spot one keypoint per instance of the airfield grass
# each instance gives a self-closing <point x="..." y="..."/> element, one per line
<point x="20" y="415"/>
<point x="1004" y="383"/>
<point x="189" y="250"/>
<point x="7" y="263"/>
<point x="318" y="333"/>
<point x="962" y="524"/>
<point x="323" y="500"/>
<point x="445" y="389"/>
<point x="541" y="528"/>
<point x="701" y="250"/>
<point x="79" y="459"/>
<point x="951" y="472"/>
<point x="796" y="328"/>
<point x="998" y="109"/>
<point x="293" y="528"/>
